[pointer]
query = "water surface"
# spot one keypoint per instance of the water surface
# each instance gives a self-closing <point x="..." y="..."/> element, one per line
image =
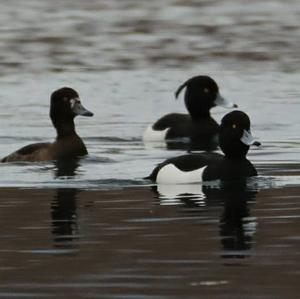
<point x="95" y="228"/>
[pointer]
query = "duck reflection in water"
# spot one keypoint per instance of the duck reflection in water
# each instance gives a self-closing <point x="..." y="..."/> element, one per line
<point x="64" y="208"/>
<point x="208" y="144"/>
<point x="66" y="168"/>
<point x="237" y="227"/>
<point x="234" y="198"/>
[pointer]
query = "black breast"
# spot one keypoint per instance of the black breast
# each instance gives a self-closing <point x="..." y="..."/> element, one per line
<point x="229" y="169"/>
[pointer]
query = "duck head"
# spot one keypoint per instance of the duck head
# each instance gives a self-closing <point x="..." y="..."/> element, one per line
<point x="201" y="94"/>
<point x="235" y="135"/>
<point x="65" y="106"/>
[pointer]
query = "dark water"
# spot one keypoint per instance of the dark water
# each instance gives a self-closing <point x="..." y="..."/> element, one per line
<point x="71" y="243"/>
<point x="94" y="228"/>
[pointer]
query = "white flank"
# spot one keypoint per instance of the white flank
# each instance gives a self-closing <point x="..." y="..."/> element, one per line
<point x="170" y="174"/>
<point x="153" y="135"/>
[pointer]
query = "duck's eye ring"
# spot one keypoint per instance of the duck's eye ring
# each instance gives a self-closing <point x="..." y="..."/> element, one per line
<point x="234" y="126"/>
<point x="206" y="90"/>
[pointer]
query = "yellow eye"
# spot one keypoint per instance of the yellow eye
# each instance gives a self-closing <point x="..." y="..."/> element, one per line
<point x="234" y="126"/>
<point x="206" y="90"/>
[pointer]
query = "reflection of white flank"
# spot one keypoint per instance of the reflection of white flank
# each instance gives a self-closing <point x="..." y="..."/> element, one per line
<point x="176" y="191"/>
<point x="170" y="174"/>
<point x="153" y="135"/>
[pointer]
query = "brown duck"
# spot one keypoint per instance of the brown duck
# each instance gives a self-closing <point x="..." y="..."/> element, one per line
<point x="64" y="107"/>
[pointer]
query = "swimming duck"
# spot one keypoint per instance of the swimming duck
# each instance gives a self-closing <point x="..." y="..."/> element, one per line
<point x="65" y="105"/>
<point x="201" y="94"/>
<point x="235" y="139"/>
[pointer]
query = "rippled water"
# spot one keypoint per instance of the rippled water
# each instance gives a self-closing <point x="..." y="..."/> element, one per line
<point x="95" y="229"/>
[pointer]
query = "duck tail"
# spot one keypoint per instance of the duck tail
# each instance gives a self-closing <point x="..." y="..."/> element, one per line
<point x="153" y="175"/>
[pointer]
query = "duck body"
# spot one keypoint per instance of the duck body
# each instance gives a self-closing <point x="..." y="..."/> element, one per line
<point x="181" y="125"/>
<point x="183" y="165"/>
<point x="67" y="147"/>
<point x="202" y="93"/>
<point x="235" y="139"/>
<point x="65" y="105"/>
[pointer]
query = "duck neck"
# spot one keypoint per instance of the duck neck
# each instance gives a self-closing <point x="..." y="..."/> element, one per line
<point x="197" y="104"/>
<point x="200" y="115"/>
<point x="235" y="157"/>
<point x="65" y="129"/>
